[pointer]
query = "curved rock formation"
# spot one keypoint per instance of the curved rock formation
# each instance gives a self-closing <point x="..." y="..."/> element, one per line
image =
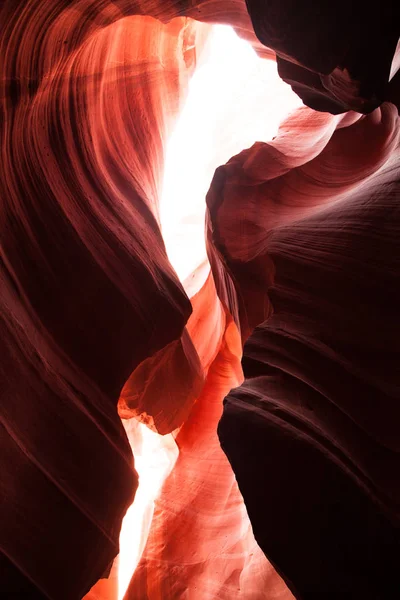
<point x="337" y="57"/>
<point x="200" y="540"/>
<point x="83" y="299"/>
<point x="312" y="432"/>
<point x="95" y="324"/>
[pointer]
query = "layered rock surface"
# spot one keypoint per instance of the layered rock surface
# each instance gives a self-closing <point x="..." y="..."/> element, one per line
<point x="95" y="324"/>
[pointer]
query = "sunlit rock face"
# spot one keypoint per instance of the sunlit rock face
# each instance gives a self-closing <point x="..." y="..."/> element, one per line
<point x="118" y="299"/>
<point x="221" y="558"/>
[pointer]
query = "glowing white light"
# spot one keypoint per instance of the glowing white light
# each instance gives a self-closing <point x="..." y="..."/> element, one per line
<point x="395" y="62"/>
<point x="235" y="99"/>
<point x="155" y="456"/>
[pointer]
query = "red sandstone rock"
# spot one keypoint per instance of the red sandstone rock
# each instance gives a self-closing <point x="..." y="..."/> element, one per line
<point x="298" y="229"/>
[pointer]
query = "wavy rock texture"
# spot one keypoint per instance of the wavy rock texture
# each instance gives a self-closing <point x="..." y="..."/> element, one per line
<point x="220" y="558"/>
<point x="200" y="540"/>
<point x="95" y="325"/>
<point x="315" y="423"/>
<point x="83" y="299"/>
<point x="302" y="172"/>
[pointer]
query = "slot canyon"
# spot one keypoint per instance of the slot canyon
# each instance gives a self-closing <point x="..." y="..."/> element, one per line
<point x="200" y="277"/>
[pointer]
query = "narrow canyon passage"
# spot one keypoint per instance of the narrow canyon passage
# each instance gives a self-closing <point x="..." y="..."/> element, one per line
<point x="209" y="130"/>
<point x="199" y="331"/>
